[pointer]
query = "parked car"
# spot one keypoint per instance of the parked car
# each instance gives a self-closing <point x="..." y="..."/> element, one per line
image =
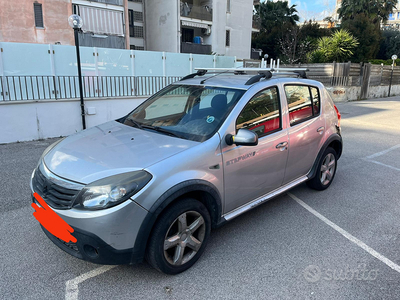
<point x="198" y="153"/>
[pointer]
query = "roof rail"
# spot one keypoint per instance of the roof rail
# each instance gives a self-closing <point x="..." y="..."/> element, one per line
<point x="266" y="73"/>
<point x="242" y="70"/>
<point x="257" y="78"/>
<point x="200" y="72"/>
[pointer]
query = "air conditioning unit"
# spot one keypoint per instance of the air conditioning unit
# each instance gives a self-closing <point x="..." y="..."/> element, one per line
<point x="206" y="31"/>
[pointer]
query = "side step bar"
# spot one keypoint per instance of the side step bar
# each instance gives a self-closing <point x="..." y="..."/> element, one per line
<point x="238" y="211"/>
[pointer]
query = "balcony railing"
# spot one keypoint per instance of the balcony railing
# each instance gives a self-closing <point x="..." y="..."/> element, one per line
<point x="195" y="48"/>
<point x="200" y="12"/>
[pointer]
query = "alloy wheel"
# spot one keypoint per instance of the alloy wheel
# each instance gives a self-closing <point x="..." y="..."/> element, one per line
<point x="328" y="169"/>
<point x="184" y="238"/>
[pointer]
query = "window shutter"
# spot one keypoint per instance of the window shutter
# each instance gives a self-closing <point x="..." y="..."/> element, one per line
<point x="37" y="9"/>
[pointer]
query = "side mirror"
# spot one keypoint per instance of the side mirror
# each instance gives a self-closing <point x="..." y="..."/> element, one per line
<point x="244" y="137"/>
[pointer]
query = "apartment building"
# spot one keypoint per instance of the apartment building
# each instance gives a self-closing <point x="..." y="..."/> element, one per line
<point x="46" y="21"/>
<point x="28" y="21"/>
<point x="394" y="20"/>
<point x="222" y="27"/>
<point x="136" y="25"/>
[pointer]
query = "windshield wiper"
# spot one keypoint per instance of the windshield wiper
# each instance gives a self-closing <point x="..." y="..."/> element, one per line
<point x="162" y="130"/>
<point x="137" y="124"/>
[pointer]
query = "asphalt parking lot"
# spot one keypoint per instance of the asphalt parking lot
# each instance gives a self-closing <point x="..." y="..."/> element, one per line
<point x="343" y="243"/>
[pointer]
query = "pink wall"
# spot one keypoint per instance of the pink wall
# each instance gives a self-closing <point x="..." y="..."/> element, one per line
<point x="17" y="22"/>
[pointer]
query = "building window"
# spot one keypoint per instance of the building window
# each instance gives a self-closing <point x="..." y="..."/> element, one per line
<point x="37" y="8"/>
<point x="136" y="1"/>
<point x="133" y="47"/>
<point x="138" y="16"/>
<point x="228" y="38"/>
<point x="228" y="6"/>
<point x="138" y="31"/>
<point x="131" y="31"/>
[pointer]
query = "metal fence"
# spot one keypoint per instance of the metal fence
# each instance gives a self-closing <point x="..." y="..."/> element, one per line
<point x="17" y="88"/>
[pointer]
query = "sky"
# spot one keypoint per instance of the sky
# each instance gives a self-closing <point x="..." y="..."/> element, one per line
<point x="314" y="9"/>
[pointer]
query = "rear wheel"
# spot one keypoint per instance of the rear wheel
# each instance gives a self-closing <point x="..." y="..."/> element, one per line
<point x="326" y="171"/>
<point x="179" y="237"/>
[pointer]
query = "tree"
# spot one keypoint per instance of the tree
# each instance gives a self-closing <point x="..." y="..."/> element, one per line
<point x="275" y="17"/>
<point x="368" y="35"/>
<point x="276" y="14"/>
<point x="363" y="18"/>
<point x="293" y="48"/>
<point x="338" y="47"/>
<point x="390" y="44"/>
<point x="297" y="42"/>
<point x="376" y="10"/>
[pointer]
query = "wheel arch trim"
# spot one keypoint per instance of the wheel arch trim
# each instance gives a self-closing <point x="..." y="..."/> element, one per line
<point x="333" y="138"/>
<point x="169" y="197"/>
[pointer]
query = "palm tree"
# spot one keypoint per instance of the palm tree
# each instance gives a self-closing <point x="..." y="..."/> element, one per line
<point x="277" y="13"/>
<point x="377" y="10"/>
<point x="337" y="47"/>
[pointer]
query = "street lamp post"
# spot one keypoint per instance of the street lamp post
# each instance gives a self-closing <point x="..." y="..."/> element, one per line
<point x="394" y="57"/>
<point x="76" y="23"/>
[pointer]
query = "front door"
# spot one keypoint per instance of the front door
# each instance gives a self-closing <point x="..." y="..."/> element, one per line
<point x="252" y="171"/>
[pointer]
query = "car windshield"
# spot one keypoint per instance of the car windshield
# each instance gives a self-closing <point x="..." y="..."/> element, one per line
<point x="185" y="111"/>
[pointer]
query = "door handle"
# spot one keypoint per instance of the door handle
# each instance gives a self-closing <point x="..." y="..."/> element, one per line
<point x="321" y="129"/>
<point x="282" y="146"/>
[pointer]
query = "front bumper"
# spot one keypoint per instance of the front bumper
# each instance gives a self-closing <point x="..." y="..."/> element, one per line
<point x="104" y="236"/>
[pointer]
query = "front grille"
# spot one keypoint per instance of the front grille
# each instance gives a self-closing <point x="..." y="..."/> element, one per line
<point x="55" y="195"/>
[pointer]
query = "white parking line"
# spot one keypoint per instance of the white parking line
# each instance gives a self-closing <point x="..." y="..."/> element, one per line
<point x="383" y="152"/>
<point x="71" y="286"/>
<point x="371" y="157"/>
<point x="347" y="235"/>
<point x="382" y="164"/>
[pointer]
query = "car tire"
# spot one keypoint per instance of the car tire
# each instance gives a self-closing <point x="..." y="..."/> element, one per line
<point x="326" y="171"/>
<point x="179" y="237"/>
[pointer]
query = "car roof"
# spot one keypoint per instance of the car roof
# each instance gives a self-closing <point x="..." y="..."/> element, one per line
<point x="239" y="81"/>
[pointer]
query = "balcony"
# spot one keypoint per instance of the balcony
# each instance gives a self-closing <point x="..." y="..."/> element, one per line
<point x="195" y="48"/>
<point x="194" y="11"/>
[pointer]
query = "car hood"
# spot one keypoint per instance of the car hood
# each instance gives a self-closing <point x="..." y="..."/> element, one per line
<point x="109" y="149"/>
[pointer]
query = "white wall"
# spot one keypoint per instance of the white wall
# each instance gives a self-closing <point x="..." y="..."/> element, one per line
<point x="353" y="93"/>
<point x="240" y="22"/>
<point x="162" y="30"/>
<point x="218" y="27"/>
<point x="32" y="120"/>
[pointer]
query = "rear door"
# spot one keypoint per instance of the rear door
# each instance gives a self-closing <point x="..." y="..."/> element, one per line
<point x="252" y="171"/>
<point x="306" y="128"/>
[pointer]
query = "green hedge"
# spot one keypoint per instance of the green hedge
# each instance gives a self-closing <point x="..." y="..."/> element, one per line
<point x="385" y="62"/>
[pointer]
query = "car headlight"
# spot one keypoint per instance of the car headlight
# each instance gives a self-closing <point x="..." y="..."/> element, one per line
<point x="113" y="190"/>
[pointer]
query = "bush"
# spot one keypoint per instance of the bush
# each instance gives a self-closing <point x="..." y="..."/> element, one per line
<point x="387" y="62"/>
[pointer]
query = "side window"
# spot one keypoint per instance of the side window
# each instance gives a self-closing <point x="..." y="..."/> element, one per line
<point x="262" y="113"/>
<point x="316" y="99"/>
<point x="303" y="102"/>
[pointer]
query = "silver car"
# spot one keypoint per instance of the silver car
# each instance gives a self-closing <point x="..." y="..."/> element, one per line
<point x="200" y="152"/>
